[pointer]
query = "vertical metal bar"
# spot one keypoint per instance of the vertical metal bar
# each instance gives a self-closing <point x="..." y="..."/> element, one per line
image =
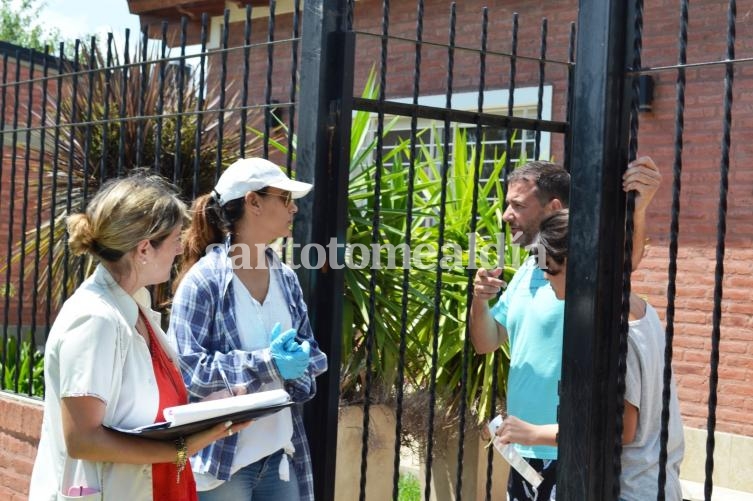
<point x="674" y="232"/>
<point x="11" y="217"/>
<point x="540" y="99"/>
<point x="178" y="160"/>
<point x="88" y="133"/>
<point x="478" y="164"/>
<point x="399" y="385"/>
<point x="104" y="153"/>
<point x="511" y="98"/>
<point x="88" y="127"/>
<point x="6" y="289"/>
<point x="143" y="73"/>
<point x="39" y="207"/>
<point x="440" y="254"/>
<point x="350" y="11"/>
<point x="72" y="160"/>
<point x="268" y="89"/>
<point x="627" y="268"/>
<point x="223" y="79"/>
<point x="24" y="219"/>
<point x="291" y="99"/>
<point x="200" y="106"/>
<point x="599" y="142"/>
<point x="123" y="103"/>
<point x="293" y="85"/>
<point x="54" y="191"/>
<point x="327" y="61"/>
<point x="496" y="361"/>
<point x="569" y="106"/>
<point x="3" y="94"/>
<point x="244" y="85"/>
<point x="721" y="232"/>
<point x="375" y="234"/>
<point x="160" y="101"/>
<point x="505" y="173"/>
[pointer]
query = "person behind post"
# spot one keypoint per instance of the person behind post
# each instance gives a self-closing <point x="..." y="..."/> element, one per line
<point x="644" y="383"/>
<point x="107" y="362"/>
<point x="239" y="320"/>
<point x="530" y="316"/>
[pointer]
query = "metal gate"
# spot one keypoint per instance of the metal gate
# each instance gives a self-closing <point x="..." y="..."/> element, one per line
<point x="415" y="152"/>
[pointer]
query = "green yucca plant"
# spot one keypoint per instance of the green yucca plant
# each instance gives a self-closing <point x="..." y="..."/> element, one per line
<point x="422" y="283"/>
<point x="22" y="367"/>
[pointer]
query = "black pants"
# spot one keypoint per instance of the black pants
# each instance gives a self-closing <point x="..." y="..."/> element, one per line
<point x="518" y="489"/>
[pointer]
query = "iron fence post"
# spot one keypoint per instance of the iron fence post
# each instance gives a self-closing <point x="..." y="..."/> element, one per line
<point x="323" y="149"/>
<point x="599" y="135"/>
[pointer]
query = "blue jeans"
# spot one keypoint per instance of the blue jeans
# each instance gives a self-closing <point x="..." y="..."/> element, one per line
<point x="259" y="481"/>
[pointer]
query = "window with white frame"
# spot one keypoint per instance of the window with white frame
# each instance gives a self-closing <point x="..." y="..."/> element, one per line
<point x="494" y="138"/>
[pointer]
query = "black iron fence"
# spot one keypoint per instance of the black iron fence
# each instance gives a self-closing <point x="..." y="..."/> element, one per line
<point x="99" y="110"/>
<point x="399" y="159"/>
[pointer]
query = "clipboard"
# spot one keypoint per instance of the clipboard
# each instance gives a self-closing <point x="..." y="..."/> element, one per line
<point x="236" y="409"/>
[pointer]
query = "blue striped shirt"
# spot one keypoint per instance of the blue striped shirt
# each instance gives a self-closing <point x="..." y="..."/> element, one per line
<point x="203" y="325"/>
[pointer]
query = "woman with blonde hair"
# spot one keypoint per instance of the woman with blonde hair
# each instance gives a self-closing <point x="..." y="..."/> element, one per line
<point x="107" y="362"/>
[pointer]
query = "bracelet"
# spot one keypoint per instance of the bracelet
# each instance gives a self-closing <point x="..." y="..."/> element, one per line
<point x="181" y="457"/>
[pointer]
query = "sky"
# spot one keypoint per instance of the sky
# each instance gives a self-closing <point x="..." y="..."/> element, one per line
<point x="79" y="18"/>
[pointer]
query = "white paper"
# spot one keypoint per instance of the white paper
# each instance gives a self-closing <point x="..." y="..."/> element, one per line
<point x="513" y="457"/>
<point x="199" y="411"/>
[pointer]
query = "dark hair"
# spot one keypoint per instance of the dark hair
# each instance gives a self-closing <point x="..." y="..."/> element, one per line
<point x="553" y="235"/>
<point x="552" y="180"/>
<point x="209" y="225"/>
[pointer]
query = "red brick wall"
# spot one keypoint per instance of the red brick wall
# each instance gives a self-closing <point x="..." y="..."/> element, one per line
<point x="22" y="221"/>
<point x="699" y="207"/>
<point x="21" y="188"/>
<point x="20" y="93"/>
<point x="19" y="436"/>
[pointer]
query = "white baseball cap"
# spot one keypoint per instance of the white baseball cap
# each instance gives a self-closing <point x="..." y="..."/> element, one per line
<point x="253" y="174"/>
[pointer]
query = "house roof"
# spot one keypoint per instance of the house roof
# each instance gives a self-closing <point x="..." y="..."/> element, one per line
<point x="153" y="12"/>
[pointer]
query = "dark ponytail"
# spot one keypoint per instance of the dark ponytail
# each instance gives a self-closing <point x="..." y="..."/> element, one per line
<point x="209" y="225"/>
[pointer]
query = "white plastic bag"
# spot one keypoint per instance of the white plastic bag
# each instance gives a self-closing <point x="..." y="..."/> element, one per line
<point x="512" y="456"/>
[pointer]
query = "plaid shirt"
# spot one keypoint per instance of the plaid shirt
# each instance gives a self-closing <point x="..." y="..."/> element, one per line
<point x="203" y="325"/>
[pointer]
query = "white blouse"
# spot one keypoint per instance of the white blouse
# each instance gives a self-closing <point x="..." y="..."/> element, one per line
<point x="269" y="434"/>
<point x="94" y="350"/>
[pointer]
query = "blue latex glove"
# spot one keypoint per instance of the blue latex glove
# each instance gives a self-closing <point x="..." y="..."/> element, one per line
<point x="290" y="357"/>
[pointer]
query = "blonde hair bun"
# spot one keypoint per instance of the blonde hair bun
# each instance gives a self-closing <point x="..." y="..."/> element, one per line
<point x="80" y="235"/>
<point x="124" y="212"/>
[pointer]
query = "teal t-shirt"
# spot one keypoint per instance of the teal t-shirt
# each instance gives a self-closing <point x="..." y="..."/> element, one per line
<point x="533" y="317"/>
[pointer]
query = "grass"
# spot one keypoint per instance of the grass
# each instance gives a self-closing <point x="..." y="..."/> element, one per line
<point x="409" y="488"/>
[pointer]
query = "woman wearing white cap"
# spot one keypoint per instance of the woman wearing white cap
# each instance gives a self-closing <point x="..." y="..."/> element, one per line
<point x="239" y="319"/>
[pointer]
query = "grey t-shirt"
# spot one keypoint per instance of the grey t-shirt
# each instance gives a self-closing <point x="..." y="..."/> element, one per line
<point x="643" y="388"/>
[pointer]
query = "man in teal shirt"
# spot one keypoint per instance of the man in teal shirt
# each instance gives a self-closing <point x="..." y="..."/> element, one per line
<point x="531" y="317"/>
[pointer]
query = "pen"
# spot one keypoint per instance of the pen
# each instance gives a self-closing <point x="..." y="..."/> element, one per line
<point x="227" y="383"/>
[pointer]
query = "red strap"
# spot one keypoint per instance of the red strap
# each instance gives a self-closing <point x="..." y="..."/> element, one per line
<point x="171" y="392"/>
